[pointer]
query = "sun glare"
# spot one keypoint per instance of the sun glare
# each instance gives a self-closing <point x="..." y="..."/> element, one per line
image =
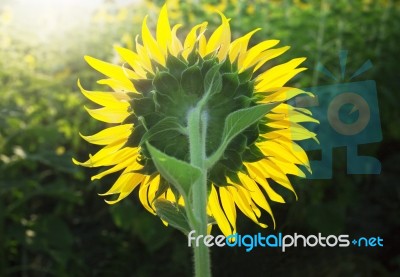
<point x="45" y="17"/>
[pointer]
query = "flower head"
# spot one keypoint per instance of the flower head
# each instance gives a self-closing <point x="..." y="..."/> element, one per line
<point x="162" y="80"/>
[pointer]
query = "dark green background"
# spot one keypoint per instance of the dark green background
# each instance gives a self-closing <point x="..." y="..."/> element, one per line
<point x="52" y="223"/>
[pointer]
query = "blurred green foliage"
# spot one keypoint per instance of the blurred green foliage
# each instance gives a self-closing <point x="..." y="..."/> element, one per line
<point x="52" y="223"/>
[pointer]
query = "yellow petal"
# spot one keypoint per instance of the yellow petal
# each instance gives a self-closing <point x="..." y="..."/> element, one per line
<point x="163" y="34"/>
<point x="220" y="40"/>
<point x="278" y="75"/>
<point x="103" y="157"/>
<point x="287" y="167"/>
<point x="132" y="59"/>
<point x="109" y="135"/>
<point x="192" y="38"/>
<point x="109" y="114"/>
<point x="297" y="152"/>
<point x="217" y="212"/>
<point x="245" y="203"/>
<point x="145" y="58"/>
<point x="275" y="173"/>
<point x="269" y="55"/>
<point x="272" y="148"/>
<point x="290" y="130"/>
<point x="143" y="194"/>
<point x="238" y="47"/>
<point x="261" y="180"/>
<point x="258" y="197"/>
<point x="109" y="156"/>
<point x="127" y="183"/>
<point x="102" y="98"/>
<point x="110" y="70"/>
<point x="254" y="54"/>
<point x="229" y="206"/>
<point x="283" y="94"/>
<point x="202" y="45"/>
<point x="151" y="192"/>
<point x="176" y="46"/>
<point x="151" y="45"/>
<point x="130" y="162"/>
<point x="120" y="87"/>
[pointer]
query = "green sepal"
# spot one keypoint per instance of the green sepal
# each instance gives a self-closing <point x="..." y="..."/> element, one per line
<point x="174" y="214"/>
<point x="144" y="86"/>
<point x="232" y="160"/>
<point x="175" y="66"/>
<point x="217" y="175"/>
<point x="230" y="83"/>
<point x="163" y="186"/>
<point x="253" y="154"/>
<point x="191" y="81"/>
<point x="136" y="136"/>
<point x="143" y="106"/>
<point x="178" y="173"/>
<point x="213" y="81"/>
<point x="165" y="83"/>
<point x="246" y="75"/>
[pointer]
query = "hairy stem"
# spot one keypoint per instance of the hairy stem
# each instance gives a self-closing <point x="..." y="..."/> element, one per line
<point x="197" y="126"/>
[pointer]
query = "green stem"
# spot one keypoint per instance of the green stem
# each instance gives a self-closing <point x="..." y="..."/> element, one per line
<point x="197" y="126"/>
<point x="2" y="240"/>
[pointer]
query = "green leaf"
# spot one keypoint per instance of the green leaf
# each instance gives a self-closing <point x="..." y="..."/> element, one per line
<point x="173" y="214"/>
<point x="168" y="124"/>
<point x="237" y="122"/>
<point x="213" y="81"/>
<point x="178" y="173"/>
<point x="165" y="83"/>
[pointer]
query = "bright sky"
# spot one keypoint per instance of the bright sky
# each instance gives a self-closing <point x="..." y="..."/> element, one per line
<point x="44" y="17"/>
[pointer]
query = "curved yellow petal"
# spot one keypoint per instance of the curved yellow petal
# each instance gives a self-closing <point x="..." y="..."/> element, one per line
<point x="125" y="184"/>
<point x="145" y="58"/>
<point x="143" y="194"/>
<point x="256" y="176"/>
<point x="229" y="206"/>
<point x="192" y="38"/>
<point x="175" y="46"/>
<point x="238" y="47"/>
<point x="217" y="212"/>
<point x="109" y="114"/>
<point x="257" y="196"/>
<point x="275" y="173"/>
<point x="132" y="59"/>
<point x="254" y="54"/>
<point x="110" y="70"/>
<point x="245" y="203"/>
<point x="120" y="87"/>
<point x="151" y="192"/>
<point x="220" y="40"/>
<point x="163" y="34"/>
<point x="109" y="155"/>
<point x="103" y="98"/>
<point x="283" y="94"/>
<point x="131" y="162"/>
<point x="153" y="50"/>
<point x="109" y="135"/>
<point x="278" y="75"/>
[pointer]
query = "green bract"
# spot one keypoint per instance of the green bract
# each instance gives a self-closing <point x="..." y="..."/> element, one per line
<point x="161" y="110"/>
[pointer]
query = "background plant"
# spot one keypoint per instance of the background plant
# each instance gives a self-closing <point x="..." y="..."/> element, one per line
<point x="53" y="224"/>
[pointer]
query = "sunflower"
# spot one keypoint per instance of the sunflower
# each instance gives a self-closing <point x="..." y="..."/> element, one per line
<point x="151" y="94"/>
